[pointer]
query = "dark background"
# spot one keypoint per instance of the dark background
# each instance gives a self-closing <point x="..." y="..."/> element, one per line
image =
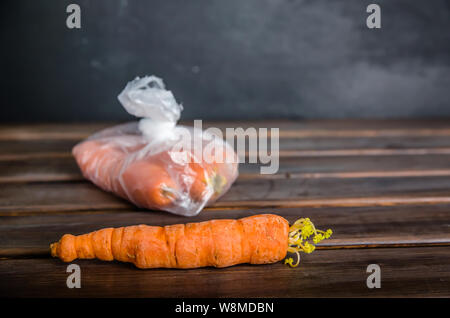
<point x="227" y="59"/>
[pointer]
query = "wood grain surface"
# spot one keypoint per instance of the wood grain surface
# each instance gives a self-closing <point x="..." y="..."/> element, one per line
<point x="65" y="168"/>
<point x="383" y="186"/>
<point x="48" y="197"/>
<point x="326" y="273"/>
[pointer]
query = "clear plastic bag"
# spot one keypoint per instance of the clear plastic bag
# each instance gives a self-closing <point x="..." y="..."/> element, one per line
<point x="154" y="163"/>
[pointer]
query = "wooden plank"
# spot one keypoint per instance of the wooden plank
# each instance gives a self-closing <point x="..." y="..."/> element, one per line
<point x="311" y="147"/>
<point x="65" y="168"/>
<point x="364" y="152"/>
<point x="316" y="138"/>
<point x="298" y="189"/>
<point x="288" y="128"/>
<point x="50" y="131"/>
<point x="344" y="127"/>
<point x="353" y="227"/>
<point x="40" y="148"/>
<point x="40" y="170"/>
<point x="311" y="143"/>
<point x="281" y="153"/>
<point x="334" y="143"/>
<point x="341" y="164"/>
<point x="56" y="197"/>
<point x="414" y="272"/>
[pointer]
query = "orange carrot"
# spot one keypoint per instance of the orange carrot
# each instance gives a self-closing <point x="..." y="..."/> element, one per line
<point x="215" y="175"/>
<point x="203" y="175"/>
<point x="101" y="160"/>
<point x="258" y="239"/>
<point x="149" y="185"/>
<point x="146" y="181"/>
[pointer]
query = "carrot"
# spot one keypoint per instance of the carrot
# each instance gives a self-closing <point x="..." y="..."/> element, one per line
<point x="144" y="183"/>
<point x="258" y="239"/>
<point x="201" y="180"/>
<point x="101" y="160"/>
<point x="206" y="177"/>
<point x="214" y="175"/>
<point x="149" y="185"/>
<point x="155" y="180"/>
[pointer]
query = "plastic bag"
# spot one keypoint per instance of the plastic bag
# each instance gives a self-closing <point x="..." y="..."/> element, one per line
<point x="154" y="163"/>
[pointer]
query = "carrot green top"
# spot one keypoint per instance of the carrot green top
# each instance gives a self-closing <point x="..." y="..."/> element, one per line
<point x="299" y="233"/>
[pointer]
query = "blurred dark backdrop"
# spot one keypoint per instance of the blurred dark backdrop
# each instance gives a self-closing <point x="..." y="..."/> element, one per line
<point x="233" y="59"/>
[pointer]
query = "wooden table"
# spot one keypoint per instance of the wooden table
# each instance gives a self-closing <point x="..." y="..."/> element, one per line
<point x="382" y="186"/>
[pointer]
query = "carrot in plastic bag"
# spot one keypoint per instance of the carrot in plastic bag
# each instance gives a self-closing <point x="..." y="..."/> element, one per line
<point x="258" y="239"/>
<point x="154" y="163"/>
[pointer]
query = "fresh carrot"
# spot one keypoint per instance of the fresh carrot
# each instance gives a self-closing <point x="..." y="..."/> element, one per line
<point x="258" y="239"/>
